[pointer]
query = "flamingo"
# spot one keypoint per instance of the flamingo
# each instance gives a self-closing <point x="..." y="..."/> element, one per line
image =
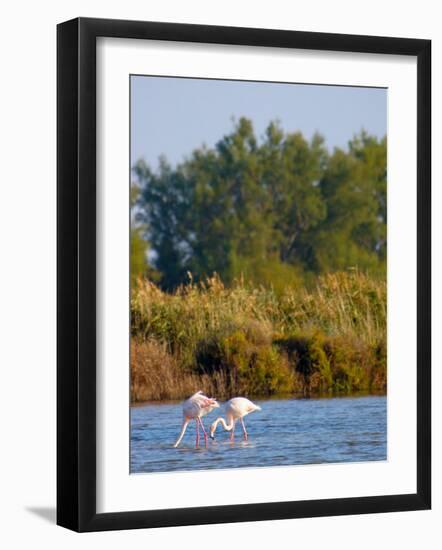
<point x="236" y="409"/>
<point x="194" y="408"/>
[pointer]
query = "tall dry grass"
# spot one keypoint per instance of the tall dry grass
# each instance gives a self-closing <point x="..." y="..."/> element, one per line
<point x="243" y="339"/>
<point x="155" y="375"/>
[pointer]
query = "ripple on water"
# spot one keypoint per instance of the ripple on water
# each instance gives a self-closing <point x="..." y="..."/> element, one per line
<point x="285" y="432"/>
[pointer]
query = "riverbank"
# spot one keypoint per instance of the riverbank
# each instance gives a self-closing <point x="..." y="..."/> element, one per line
<point x="244" y="340"/>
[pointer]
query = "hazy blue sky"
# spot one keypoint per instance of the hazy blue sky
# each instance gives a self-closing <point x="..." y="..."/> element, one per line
<point x="173" y="116"/>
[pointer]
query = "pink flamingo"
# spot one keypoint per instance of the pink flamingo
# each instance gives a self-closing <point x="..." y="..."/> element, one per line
<point x="236" y="409"/>
<point x="194" y="408"/>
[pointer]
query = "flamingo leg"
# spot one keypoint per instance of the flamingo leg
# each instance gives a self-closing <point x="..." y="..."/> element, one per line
<point x="244" y="430"/>
<point x="204" y="432"/>
<point x="197" y="433"/>
<point x="232" y="433"/>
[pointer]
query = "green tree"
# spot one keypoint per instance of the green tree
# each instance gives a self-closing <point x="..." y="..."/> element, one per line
<point x="292" y="170"/>
<point x="354" y="187"/>
<point x="139" y="246"/>
<point x="275" y="211"/>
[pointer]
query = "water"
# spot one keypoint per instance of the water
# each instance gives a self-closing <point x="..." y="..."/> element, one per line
<point x="285" y="432"/>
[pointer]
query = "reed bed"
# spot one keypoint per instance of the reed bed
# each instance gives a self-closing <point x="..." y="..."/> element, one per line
<point x="254" y="341"/>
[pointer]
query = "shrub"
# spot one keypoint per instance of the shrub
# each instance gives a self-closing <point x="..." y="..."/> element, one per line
<point x="308" y="359"/>
<point x="255" y="368"/>
<point x="247" y="340"/>
<point x="337" y="364"/>
<point x="349" y="361"/>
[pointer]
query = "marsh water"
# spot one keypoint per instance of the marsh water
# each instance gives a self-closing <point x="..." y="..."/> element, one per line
<point x="285" y="432"/>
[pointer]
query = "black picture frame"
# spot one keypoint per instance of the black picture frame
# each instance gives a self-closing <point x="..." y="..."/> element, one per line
<point x="76" y="273"/>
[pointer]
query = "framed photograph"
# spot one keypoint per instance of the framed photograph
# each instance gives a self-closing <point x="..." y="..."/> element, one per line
<point x="243" y="274"/>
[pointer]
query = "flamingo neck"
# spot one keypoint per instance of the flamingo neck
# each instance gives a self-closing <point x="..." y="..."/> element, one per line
<point x="227" y="426"/>
<point x="183" y="429"/>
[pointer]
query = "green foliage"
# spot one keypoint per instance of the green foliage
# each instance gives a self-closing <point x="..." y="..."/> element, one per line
<point x="138" y="250"/>
<point x="308" y="358"/>
<point x="270" y="259"/>
<point x="277" y="211"/>
<point x="255" y="368"/>
<point x="333" y="365"/>
<point x="354" y="187"/>
<point x="240" y="339"/>
<point x="139" y="266"/>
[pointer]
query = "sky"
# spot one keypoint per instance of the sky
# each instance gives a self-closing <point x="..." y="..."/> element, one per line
<point x="173" y="116"/>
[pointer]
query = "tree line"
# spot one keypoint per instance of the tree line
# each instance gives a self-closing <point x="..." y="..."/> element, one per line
<point x="275" y="211"/>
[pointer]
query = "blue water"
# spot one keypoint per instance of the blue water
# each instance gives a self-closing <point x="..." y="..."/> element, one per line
<point x="285" y="432"/>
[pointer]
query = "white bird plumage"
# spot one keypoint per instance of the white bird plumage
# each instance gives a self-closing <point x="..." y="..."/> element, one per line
<point x="194" y="408"/>
<point x="236" y="409"/>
